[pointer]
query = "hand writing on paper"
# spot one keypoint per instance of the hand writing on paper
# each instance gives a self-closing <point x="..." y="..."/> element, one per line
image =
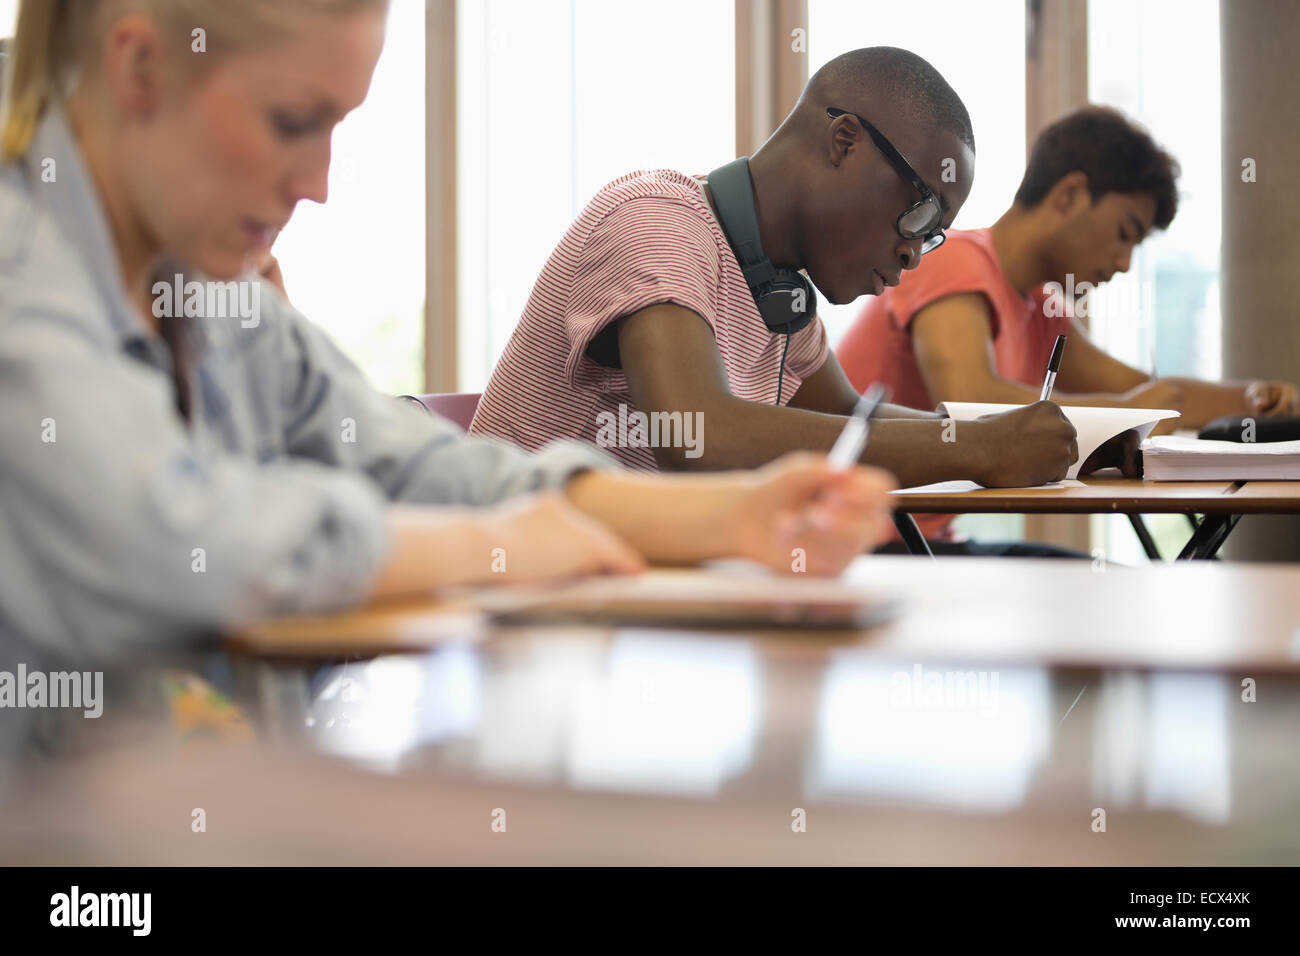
<point x="800" y="501"/>
<point x="1027" y="446"/>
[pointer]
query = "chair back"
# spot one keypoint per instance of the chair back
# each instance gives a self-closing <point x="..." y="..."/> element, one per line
<point x="458" y="407"/>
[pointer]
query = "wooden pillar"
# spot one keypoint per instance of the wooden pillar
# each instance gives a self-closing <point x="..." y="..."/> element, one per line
<point x="771" y="66"/>
<point x="1056" y="82"/>
<point x="1260" y="267"/>
<point x="440" y="299"/>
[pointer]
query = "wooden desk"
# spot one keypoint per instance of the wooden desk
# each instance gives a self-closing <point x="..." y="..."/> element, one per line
<point x="1222" y="502"/>
<point x="1024" y="791"/>
<point x="1097" y="496"/>
<point x="639" y="745"/>
<point x="1056" y="613"/>
<point x="1265" y="497"/>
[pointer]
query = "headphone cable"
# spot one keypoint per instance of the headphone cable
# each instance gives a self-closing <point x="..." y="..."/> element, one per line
<point x="780" y="375"/>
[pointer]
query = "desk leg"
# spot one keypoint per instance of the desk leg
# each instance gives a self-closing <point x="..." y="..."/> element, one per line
<point x="1208" y="537"/>
<point x="279" y="693"/>
<point x="1144" y="536"/>
<point x="912" y="537"/>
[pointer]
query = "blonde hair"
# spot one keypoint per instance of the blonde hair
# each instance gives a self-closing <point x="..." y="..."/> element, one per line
<point x="50" y="44"/>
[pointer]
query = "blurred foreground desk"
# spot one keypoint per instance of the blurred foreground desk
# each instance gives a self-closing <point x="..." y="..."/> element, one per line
<point x="989" y="723"/>
<point x="1221" y="502"/>
<point x="1058" y="613"/>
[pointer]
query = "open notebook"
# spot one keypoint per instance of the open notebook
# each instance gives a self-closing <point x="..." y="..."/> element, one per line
<point x="1094" y="425"/>
<point x="1173" y="458"/>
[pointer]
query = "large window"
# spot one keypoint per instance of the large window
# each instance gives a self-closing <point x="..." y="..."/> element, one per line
<point x="1158" y="61"/>
<point x="555" y="98"/>
<point x="980" y="49"/>
<point x="356" y="264"/>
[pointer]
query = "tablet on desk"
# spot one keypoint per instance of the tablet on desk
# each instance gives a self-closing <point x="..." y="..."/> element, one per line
<point x="693" y="599"/>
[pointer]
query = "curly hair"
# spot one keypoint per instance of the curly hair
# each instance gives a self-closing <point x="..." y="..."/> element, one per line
<point x="1116" y="155"/>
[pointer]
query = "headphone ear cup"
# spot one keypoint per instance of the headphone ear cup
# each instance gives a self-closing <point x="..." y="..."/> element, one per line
<point x="785" y="298"/>
<point x="789" y="304"/>
<point x="809" y="299"/>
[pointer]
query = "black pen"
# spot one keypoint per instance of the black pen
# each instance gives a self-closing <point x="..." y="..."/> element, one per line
<point x="1053" y="366"/>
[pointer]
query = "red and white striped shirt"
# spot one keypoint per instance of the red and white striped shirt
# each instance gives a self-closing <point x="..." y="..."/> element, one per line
<point x="647" y="238"/>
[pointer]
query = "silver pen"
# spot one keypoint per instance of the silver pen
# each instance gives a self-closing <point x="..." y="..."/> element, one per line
<point x="853" y="439"/>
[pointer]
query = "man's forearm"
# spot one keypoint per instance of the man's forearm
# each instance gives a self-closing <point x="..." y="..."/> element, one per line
<point x="1205" y="401"/>
<point x="1003" y="391"/>
<point x="887" y="410"/>
<point x="739" y="434"/>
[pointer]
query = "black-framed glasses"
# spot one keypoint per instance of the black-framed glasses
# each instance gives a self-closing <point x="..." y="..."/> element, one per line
<point x="922" y="220"/>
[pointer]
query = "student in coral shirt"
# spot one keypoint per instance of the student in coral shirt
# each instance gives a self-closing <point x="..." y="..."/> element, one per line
<point x="975" y="322"/>
<point x="879" y="347"/>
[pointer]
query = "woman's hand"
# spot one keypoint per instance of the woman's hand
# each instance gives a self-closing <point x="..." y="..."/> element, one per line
<point x="798" y="514"/>
<point x="543" y="536"/>
<point x="530" y="538"/>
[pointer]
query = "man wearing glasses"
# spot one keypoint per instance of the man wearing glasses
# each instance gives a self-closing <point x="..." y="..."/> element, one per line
<point x="923" y="219"/>
<point x="643" y="307"/>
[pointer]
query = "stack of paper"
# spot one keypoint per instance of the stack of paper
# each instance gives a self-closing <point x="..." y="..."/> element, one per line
<point x="1171" y="458"/>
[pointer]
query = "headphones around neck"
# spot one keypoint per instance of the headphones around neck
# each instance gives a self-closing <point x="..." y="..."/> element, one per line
<point x="785" y="298"/>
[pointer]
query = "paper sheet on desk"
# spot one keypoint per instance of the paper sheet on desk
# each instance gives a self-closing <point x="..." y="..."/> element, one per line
<point x="960" y="487"/>
<point x="715" y="597"/>
<point x="1094" y="425"/>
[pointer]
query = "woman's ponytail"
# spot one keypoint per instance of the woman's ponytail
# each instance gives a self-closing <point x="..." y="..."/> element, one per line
<point x="46" y="46"/>
<point x="35" y="62"/>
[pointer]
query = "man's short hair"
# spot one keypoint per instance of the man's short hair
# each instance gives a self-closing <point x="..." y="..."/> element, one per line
<point x="909" y="81"/>
<point x="1116" y="155"/>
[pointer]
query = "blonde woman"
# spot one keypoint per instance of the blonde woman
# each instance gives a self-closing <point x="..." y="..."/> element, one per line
<point x="162" y="474"/>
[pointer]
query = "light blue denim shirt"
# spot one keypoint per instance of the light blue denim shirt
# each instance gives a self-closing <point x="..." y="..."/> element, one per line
<point x="123" y="530"/>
